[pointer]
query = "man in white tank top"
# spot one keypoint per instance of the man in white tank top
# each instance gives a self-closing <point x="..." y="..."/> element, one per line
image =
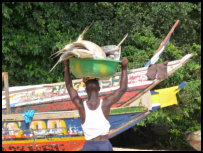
<point x="94" y="113"/>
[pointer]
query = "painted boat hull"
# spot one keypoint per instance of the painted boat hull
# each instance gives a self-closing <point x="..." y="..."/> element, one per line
<point x="64" y="133"/>
<point x="194" y="139"/>
<point x="56" y="134"/>
<point x="54" y="97"/>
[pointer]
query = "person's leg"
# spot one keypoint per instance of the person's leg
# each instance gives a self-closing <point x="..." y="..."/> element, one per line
<point x="89" y="146"/>
<point x="104" y="146"/>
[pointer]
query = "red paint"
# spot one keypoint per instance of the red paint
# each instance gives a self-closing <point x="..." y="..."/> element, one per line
<point x="73" y="145"/>
<point x="66" y="104"/>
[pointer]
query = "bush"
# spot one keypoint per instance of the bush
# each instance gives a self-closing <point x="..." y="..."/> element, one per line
<point x="186" y="116"/>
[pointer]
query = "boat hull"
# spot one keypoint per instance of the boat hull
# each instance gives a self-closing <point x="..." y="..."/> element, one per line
<point x="57" y="134"/>
<point x="54" y="97"/>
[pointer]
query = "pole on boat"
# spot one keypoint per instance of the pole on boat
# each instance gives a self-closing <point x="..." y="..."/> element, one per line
<point x="162" y="46"/>
<point x="6" y="85"/>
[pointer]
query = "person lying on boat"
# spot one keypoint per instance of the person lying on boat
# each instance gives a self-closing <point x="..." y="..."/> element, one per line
<point x="94" y="113"/>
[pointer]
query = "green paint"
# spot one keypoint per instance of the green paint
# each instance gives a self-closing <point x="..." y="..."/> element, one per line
<point x="115" y="80"/>
<point x="105" y="84"/>
<point x="128" y="110"/>
<point x="61" y="87"/>
<point x="53" y="89"/>
<point x="77" y="84"/>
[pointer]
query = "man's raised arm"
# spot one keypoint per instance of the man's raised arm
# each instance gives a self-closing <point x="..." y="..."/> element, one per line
<point x="115" y="97"/>
<point x="72" y="92"/>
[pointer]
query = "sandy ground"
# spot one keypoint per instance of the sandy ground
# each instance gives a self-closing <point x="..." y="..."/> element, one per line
<point x="129" y="149"/>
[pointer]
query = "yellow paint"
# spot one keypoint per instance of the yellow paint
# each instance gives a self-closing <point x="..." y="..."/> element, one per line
<point x="103" y="70"/>
<point x="81" y="85"/>
<point x="44" y="140"/>
<point x="78" y="85"/>
<point x="41" y="125"/>
<point x="64" y="130"/>
<point x="18" y="141"/>
<point x="166" y="97"/>
<point x="59" y="124"/>
<point x="19" y="124"/>
<point x="16" y="130"/>
<point x="77" y="67"/>
<point x="14" y="95"/>
<point x="38" y="94"/>
<point x="10" y="97"/>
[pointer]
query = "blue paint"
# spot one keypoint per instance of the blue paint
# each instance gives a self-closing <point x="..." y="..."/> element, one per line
<point x="73" y="126"/>
<point x="153" y="92"/>
<point x="134" y="121"/>
<point x="183" y="84"/>
<point x="148" y="63"/>
<point x="154" y="108"/>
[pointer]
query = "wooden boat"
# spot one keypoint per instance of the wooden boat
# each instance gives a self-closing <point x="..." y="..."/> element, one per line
<point x="194" y="139"/>
<point x="54" y="128"/>
<point x="54" y="97"/>
<point x="56" y="124"/>
<point x="62" y="130"/>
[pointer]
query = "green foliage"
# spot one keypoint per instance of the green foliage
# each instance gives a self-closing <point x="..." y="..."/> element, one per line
<point x="32" y="31"/>
<point x="184" y="117"/>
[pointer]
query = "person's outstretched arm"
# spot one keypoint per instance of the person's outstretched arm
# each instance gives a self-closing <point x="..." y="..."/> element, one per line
<point x="77" y="101"/>
<point x="115" y="97"/>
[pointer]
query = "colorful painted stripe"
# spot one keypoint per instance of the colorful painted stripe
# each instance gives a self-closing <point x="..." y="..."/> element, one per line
<point x="162" y="46"/>
<point x="60" y="139"/>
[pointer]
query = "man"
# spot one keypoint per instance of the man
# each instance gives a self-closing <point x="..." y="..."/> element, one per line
<point x="94" y="113"/>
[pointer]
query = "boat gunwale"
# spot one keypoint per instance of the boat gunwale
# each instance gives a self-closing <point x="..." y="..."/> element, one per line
<point x="63" y="114"/>
<point x="170" y="63"/>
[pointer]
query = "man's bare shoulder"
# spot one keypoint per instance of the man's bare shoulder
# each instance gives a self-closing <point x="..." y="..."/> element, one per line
<point x="106" y="102"/>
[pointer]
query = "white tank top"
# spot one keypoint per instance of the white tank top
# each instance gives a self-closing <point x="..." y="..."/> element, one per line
<point x="95" y="122"/>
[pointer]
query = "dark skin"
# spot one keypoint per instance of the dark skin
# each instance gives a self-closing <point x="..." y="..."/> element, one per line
<point x="92" y="89"/>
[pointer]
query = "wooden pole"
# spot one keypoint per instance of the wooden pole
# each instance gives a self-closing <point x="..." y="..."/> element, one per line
<point x="6" y="85"/>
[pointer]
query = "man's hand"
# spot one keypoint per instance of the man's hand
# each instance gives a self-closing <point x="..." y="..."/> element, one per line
<point x="124" y="61"/>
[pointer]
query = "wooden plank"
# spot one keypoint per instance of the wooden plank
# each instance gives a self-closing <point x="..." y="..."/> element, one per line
<point x="3" y="74"/>
<point x="66" y="114"/>
<point x="6" y="85"/>
<point x="42" y="116"/>
<point x="162" y="46"/>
